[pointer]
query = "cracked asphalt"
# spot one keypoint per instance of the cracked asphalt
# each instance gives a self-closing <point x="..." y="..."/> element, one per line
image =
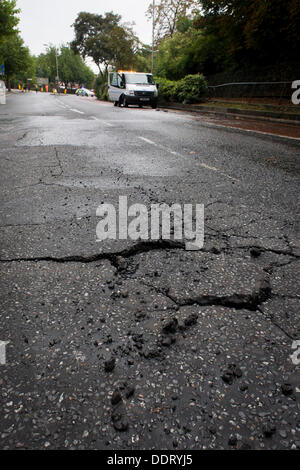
<point x="144" y="345"/>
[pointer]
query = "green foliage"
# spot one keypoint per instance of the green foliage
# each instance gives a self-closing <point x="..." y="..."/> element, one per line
<point x="101" y="87"/>
<point x="105" y="40"/>
<point x="167" y="13"/>
<point x="256" y="30"/>
<point x="229" y="36"/>
<point x="18" y="62"/>
<point x="167" y="89"/>
<point x="143" y="59"/>
<point x="189" y="52"/>
<point x="8" y="18"/>
<point x="192" y="89"/>
<point x="72" y="67"/>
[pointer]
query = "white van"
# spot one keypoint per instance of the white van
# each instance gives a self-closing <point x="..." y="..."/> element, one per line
<point x="126" y="88"/>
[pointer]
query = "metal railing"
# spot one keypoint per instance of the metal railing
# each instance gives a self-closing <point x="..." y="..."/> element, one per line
<point x="278" y="92"/>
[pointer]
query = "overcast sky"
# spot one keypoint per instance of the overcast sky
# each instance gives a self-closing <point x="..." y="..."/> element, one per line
<point x="50" y="22"/>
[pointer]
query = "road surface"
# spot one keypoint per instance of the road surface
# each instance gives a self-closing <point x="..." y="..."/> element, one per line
<point x="125" y="344"/>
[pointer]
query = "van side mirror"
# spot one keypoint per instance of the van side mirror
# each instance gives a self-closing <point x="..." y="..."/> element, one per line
<point x="157" y="85"/>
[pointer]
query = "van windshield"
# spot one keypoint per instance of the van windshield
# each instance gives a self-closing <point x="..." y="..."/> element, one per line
<point x="139" y="79"/>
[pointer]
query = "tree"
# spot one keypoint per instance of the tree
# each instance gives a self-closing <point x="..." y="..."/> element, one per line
<point x="166" y="15"/>
<point x="46" y="64"/>
<point x="17" y="59"/>
<point x="190" y="51"/>
<point x="72" y="68"/>
<point x="143" y="58"/>
<point x="8" y="18"/>
<point x="105" y="40"/>
<point x="263" y="31"/>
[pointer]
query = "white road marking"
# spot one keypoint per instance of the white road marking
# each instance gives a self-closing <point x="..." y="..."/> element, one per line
<point x="217" y="170"/>
<point x="204" y="165"/>
<point x="147" y="140"/>
<point x="104" y="122"/>
<point x="76" y="111"/>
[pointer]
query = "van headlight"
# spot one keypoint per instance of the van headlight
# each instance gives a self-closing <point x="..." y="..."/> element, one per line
<point x="131" y="92"/>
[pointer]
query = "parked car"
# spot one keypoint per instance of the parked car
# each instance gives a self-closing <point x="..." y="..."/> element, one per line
<point x="84" y="92"/>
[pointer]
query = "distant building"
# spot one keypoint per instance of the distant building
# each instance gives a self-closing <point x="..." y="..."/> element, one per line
<point x="42" y="81"/>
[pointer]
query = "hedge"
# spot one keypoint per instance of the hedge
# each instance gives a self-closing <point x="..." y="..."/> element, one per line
<point x="190" y="89"/>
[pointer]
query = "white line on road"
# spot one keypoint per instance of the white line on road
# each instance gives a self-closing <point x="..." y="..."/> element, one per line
<point x="147" y="140"/>
<point x="213" y="168"/>
<point x="104" y="122"/>
<point x="76" y="111"/>
<point x="204" y="165"/>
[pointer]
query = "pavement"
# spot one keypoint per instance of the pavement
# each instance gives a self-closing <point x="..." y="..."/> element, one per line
<point x="136" y="345"/>
<point x="248" y="121"/>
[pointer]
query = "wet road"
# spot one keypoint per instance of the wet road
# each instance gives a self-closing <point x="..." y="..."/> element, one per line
<point x="130" y="345"/>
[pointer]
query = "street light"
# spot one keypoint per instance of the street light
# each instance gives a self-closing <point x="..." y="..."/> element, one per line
<point x="153" y="34"/>
<point x="56" y="59"/>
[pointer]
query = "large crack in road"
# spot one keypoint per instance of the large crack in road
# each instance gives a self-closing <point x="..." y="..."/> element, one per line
<point x="142" y="344"/>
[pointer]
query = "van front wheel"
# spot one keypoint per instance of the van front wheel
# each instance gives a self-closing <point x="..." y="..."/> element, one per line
<point x="124" y="101"/>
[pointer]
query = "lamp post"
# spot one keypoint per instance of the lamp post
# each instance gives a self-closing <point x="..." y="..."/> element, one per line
<point x="153" y="34"/>
<point x="56" y="61"/>
<point x="56" y="57"/>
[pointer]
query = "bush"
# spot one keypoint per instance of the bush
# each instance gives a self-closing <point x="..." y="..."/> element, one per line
<point x="167" y="89"/>
<point x="191" y="89"/>
<point x="101" y="88"/>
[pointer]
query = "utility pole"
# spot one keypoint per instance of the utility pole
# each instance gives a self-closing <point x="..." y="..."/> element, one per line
<point x="153" y="34"/>
<point x="57" y="76"/>
<point x="56" y="61"/>
<point x="56" y="56"/>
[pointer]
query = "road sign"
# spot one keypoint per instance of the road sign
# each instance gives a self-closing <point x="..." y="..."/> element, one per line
<point x="2" y="69"/>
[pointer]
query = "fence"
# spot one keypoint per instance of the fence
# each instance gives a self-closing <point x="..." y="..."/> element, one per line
<point x="275" y="91"/>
